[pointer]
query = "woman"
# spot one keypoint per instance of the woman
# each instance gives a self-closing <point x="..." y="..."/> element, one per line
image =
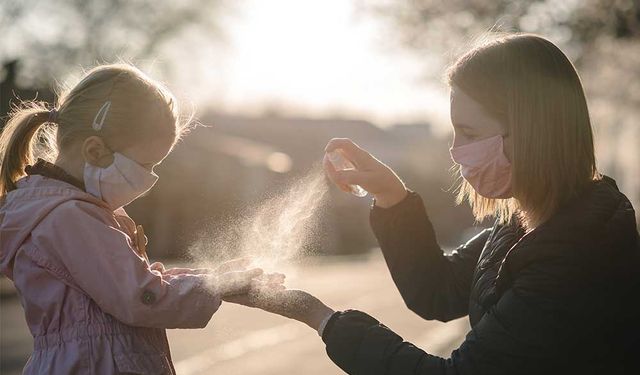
<point x="552" y="287"/>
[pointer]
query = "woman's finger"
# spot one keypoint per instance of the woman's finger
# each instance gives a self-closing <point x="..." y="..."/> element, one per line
<point x="351" y="151"/>
<point x="353" y="177"/>
<point x="332" y="174"/>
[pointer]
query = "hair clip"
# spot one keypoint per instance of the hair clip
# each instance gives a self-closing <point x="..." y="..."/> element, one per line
<point x="101" y="116"/>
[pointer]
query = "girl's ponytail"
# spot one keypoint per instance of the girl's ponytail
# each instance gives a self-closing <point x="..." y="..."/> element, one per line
<point x="17" y="142"/>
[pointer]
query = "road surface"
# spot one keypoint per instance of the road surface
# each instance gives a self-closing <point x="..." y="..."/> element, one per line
<point x="246" y="341"/>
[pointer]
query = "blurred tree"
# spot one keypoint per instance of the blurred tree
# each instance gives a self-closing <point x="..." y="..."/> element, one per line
<point x="51" y="38"/>
<point x="442" y="25"/>
<point x="602" y="37"/>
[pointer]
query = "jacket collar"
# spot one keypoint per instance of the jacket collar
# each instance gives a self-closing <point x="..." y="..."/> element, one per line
<point x="50" y="170"/>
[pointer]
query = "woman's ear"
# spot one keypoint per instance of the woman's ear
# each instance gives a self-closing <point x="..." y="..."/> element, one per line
<point x="95" y="152"/>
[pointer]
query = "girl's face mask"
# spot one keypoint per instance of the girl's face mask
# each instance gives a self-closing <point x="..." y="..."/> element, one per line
<point x="120" y="183"/>
<point x="485" y="167"/>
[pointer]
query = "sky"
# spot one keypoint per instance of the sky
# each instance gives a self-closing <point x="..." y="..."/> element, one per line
<point x="315" y="59"/>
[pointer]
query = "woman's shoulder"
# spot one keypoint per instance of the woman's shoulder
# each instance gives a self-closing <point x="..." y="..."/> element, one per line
<point x="603" y="203"/>
<point x="595" y="234"/>
<point x="602" y="214"/>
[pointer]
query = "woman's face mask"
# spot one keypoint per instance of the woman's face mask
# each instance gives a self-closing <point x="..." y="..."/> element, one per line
<point x="120" y="183"/>
<point x="477" y="148"/>
<point x="485" y="166"/>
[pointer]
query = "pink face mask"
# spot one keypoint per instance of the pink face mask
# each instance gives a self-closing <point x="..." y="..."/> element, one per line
<point x="485" y="167"/>
<point x="120" y="183"/>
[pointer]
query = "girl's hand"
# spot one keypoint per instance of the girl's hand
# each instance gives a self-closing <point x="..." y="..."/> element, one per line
<point x="294" y="304"/>
<point x="239" y="264"/>
<point x="370" y="173"/>
<point x="235" y="282"/>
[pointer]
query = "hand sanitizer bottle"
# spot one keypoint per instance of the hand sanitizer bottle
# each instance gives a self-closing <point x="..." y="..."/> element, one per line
<point x="341" y="163"/>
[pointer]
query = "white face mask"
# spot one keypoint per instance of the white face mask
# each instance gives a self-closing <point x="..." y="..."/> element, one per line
<point x="120" y="183"/>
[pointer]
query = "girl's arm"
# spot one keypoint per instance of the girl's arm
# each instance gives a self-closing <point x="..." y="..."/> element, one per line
<point x="100" y="259"/>
<point x="432" y="284"/>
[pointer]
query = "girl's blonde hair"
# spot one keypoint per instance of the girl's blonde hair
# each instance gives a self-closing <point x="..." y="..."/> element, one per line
<point x="140" y="108"/>
<point x="531" y="87"/>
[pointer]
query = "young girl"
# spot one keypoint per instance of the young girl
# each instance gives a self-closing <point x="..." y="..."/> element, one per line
<point x="92" y="301"/>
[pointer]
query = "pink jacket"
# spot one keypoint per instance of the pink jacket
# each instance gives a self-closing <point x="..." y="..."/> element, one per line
<point x="93" y="305"/>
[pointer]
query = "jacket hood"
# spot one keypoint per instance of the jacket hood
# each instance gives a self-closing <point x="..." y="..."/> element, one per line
<point x="25" y="207"/>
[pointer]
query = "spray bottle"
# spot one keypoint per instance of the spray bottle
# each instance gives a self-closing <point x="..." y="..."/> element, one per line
<point x="341" y="163"/>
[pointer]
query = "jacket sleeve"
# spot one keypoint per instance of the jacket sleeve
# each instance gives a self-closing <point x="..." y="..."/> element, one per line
<point x="100" y="259"/>
<point x="432" y="284"/>
<point x="532" y="329"/>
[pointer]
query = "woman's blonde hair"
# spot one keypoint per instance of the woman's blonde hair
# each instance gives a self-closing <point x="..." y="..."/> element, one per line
<point x="531" y="87"/>
<point x="140" y="108"/>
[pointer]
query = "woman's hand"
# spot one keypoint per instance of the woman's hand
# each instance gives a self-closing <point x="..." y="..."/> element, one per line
<point x="271" y="296"/>
<point x="370" y="173"/>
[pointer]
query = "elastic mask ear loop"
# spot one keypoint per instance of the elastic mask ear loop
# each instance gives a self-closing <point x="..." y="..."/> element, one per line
<point x="98" y="121"/>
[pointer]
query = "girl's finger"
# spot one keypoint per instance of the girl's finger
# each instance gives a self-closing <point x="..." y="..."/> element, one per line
<point x="274" y="278"/>
<point x="252" y="273"/>
<point x="235" y="265"/>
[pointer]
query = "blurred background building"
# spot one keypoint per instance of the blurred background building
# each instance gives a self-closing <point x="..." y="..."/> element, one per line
<point x="273" y="81"/>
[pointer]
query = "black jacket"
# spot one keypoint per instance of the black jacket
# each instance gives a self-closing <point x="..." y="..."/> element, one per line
<point x="562" y="299"/>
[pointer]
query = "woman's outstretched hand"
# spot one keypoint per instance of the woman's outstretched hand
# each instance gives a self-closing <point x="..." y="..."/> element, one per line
<point x="268" y="294"/>
<point x="370" y="173"/>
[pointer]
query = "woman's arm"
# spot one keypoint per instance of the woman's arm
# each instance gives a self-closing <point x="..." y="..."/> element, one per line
<point x="432" y="284"/>
<point x="540" y="325"/>
<point x="555" y="317"/>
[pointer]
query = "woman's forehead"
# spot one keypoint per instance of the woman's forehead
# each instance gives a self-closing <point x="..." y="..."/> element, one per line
<point x="468" y="112"/>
